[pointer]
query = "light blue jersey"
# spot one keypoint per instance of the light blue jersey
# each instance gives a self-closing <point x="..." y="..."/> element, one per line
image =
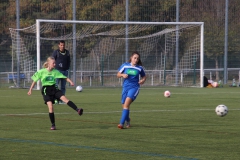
<point x="133" y="73"/>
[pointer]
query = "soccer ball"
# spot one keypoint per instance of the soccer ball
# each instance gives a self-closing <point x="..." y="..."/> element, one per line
<point x="167" y="94"/>
<point x="79" y="88"/>
<point x="221" y="110"/>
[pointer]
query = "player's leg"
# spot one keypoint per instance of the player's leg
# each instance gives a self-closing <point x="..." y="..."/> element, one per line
<point x="57" y="84"/>
<point x="126" y="101"/>
<point x="125" y="112"/>
<point x="58" y="81"/>
<point x="133" y="93"/>
<point x="127" y="105"/>
<point x="131" y="96"/>
<point x="49" y="102"/>
<point x="51" y="114"/>
<point x="127" y="119"/>
<point x="70" y="104"/>
<point x="63" y="82"/>
<point x="63" y="89"/>
<point x="124" y="96"/>
<point x="205" y="81"/>
<point x="63" y="85"/>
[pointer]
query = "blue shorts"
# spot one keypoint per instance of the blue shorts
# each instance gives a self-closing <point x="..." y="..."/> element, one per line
<point x="131" y="93"/>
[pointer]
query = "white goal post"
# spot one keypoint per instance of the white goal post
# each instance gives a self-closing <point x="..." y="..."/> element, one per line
<point x="201" y="45"/>
<point x="98" y="48"/>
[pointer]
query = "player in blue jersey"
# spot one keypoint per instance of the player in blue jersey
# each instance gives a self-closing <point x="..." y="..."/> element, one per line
<point x="130" y="72"/>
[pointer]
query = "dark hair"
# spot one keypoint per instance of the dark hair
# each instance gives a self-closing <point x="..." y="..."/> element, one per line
<point x="139" y="61"/>
<point x="61" y="41"/>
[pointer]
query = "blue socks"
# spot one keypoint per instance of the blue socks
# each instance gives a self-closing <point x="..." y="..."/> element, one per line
<point x="125" y="116"/>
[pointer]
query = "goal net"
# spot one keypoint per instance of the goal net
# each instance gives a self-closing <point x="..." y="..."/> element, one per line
<point x="98" y="48"/>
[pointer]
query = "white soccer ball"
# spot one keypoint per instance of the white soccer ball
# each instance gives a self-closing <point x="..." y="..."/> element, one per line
<point x="79" y="88"/>
<point x="221" y="110"/>
<point x="167" y="94"/>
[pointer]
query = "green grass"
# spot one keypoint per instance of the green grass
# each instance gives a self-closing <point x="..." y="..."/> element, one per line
<point x="181" y="127"/>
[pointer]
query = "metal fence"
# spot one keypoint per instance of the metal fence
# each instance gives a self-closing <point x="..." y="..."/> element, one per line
<point x="155" y="78"/>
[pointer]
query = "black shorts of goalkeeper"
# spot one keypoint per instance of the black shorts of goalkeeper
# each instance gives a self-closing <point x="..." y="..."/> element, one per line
<point x="51" y="93"/>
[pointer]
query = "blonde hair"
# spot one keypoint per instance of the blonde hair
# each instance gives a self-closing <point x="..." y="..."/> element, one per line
<point x="45" y="64"/>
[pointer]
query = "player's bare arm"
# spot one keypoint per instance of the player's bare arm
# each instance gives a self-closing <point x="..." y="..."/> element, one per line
<point x="142" y="80"/>
<point x="119" y="75"/>
<point x="30" y="89"/>
<point x="69" y="80"/>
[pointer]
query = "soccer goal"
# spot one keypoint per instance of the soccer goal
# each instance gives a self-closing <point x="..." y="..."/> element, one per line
<point x="98" y="48"/>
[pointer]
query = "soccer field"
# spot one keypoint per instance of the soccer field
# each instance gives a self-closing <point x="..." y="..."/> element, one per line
<point x="182" y="127"/>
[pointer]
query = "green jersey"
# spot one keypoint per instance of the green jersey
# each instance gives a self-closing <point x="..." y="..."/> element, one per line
<point x="48" y="78"/>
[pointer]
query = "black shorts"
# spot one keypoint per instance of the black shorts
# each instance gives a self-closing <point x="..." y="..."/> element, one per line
<point x="50" y="93"/>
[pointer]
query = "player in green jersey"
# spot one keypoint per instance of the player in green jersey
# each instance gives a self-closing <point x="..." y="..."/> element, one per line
<point x="50" y="91"/>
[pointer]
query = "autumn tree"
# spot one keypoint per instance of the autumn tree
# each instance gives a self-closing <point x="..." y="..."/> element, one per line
<point x="212" y="13"/>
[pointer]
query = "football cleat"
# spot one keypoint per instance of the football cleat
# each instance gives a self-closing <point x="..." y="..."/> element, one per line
<point x="80" y="111"/>
<point x="53" y="128"/>
<point x="120" y="126"/>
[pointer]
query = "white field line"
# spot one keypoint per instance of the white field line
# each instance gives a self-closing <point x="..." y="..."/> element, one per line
<point x="187" y="110"/>
<point x="103" y="94"/>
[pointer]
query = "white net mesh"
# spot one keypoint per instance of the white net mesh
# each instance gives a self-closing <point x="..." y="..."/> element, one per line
<point x="101" y="49"/>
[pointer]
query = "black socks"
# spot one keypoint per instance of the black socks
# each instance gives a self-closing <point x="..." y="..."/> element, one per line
<point x="52" y="118"/>
<point x="72" y="105"/>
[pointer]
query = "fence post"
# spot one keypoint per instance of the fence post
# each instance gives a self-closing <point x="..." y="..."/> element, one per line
<point x="81" y="76"/>
<point x="238" y="78"/>
<point x="160" y="77"/>
<point x="181" y="77"/>
<point x="90" y="81"/>
<point x="152" y="79"/>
